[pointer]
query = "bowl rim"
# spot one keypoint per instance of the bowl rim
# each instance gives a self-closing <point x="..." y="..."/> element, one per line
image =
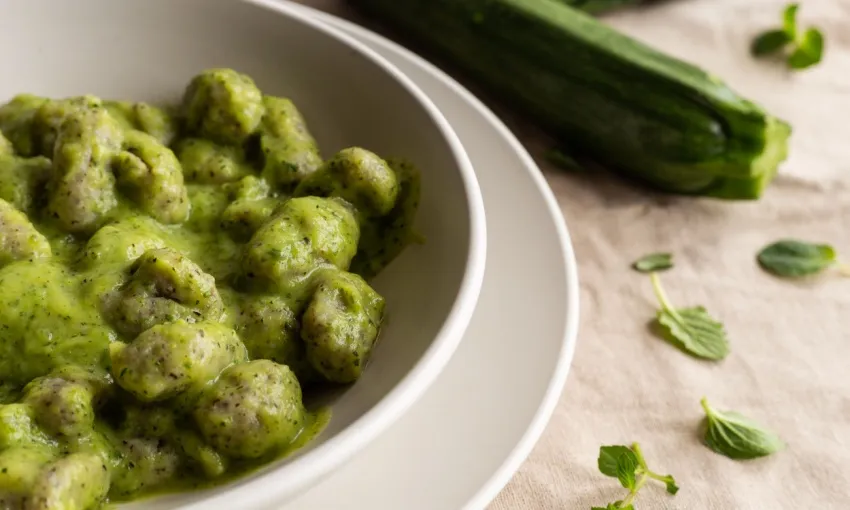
<point x="304" y="471"/>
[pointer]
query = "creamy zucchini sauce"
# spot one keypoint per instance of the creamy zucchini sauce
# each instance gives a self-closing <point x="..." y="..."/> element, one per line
<point x="172" y="281"/>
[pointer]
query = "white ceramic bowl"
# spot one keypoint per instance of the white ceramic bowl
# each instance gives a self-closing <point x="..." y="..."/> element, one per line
<point x="149" y="49"/>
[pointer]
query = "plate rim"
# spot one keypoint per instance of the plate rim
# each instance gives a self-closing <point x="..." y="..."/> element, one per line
<point x="500" y="478"/>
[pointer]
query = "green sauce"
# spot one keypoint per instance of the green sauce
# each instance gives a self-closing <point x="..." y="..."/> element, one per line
<point x="172" y="281"/>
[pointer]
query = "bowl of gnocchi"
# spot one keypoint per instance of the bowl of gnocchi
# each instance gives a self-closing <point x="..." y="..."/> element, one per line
<point x="235" y="246"/>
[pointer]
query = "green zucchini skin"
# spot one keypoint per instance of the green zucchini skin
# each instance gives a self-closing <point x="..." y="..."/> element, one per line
<point x="653" y="117"/>
<point x="600" y="6"/>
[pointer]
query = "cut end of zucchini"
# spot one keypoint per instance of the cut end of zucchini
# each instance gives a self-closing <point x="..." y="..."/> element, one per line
<point x="763" y="168"/>
<point x="775" y="151"/>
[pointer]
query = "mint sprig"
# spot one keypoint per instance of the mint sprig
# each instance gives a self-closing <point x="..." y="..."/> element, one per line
<point x="628" y="465"/>
<point x="802" y="49"/>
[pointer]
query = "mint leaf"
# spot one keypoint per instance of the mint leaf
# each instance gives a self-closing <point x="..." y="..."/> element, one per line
<point x="736" y="436"/>
<point x="653" y="262"/>
<point x="609" y="457"/>
<point x="789" y="20"/>
<point x="668" y="480"/>
<point x="626" y="467"/>
<point x="809" y="50"/>
<point x="692" y="330"/>
<point x="792" y="258"/>
<point x="672" y="488"/>
<point x="770" y="42"/>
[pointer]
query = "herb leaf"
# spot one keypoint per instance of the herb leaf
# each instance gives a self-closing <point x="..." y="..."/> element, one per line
<point x="626" y="467"/>
<point x="695" y="331"/>
<point x="692" y="330"/>
<point x="789" y="20"/>
<point x="770" y="42"/>
<point x="609" y="457"/>
<point x="736" y="436"/>
<point x="793" y="258"/>
<point x="653" y="262"/>
<point x="809" y="50"/>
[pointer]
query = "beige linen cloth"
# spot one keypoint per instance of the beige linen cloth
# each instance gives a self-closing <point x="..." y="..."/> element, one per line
<point x="790" y="361"/>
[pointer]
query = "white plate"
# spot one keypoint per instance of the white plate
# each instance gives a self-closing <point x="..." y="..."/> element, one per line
<point x="459" y="445"/>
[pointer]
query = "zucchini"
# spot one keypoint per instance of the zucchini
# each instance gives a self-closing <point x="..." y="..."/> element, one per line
<point x="598" y="6"/>
<point x="603" y="94"/>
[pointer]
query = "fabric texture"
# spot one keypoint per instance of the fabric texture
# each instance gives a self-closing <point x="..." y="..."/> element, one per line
<point x="790" y="341"/>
